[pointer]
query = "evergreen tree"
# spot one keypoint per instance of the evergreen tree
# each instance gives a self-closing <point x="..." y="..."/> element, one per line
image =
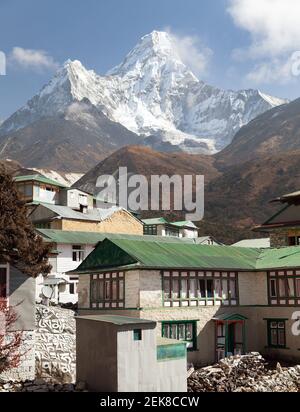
<point x="19" y="244"/>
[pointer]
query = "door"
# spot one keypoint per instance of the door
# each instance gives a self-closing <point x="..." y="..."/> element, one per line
<point x="231" y="339"/>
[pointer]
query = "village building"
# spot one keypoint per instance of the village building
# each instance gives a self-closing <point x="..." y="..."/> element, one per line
<point x="220" y="301"/>
<point x="284" y="227"/>
<point x="17" y="290"/>
<point x="70" y="249"/>
<point x="161" y="227"/>
<point x="113" y="220"/>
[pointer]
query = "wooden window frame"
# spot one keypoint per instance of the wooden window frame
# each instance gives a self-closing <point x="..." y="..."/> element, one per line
<point x="269" y="330"/>
<point x="150" y="230"/>
<point x="78" y="250"/>
<point x="171" y="276"/>
<point x="103" y="300"/>
<point x="180" y="323"/>
<point x="274" y="277"/>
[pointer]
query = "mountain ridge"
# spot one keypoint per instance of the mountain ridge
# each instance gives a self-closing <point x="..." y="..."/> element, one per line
<point x="152" y="95"/>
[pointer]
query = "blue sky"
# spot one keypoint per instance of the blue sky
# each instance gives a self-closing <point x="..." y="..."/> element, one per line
<point x="251" y="43"/>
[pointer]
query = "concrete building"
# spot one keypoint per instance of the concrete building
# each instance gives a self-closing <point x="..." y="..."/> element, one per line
<point x="284" y="227"/>
<point x="17" y="290"/>
<point x="161" y="227"/>
<point x="36" y="189"/>
<point x="123" y="354"/>
<point x="70" y="249"/>
<point x="218" y="300"/>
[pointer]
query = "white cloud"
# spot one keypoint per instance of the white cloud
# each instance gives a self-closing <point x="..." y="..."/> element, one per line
<point x="274" y="70"/>
<point x="191" y="51"/>
<point x="275" y="36"/>
<point x="273" y="24"/>
<point x="32" y="59"/>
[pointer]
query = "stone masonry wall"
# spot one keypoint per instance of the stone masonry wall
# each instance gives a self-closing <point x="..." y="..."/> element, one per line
<point x="55" y="344"/>
<point x="26" y="369"/>
<point x="120" y="222"/>
<point x="279" y="239"/>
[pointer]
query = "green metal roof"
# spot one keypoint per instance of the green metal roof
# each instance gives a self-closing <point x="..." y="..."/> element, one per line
<point x="38" y="178"/>
<point x="117" y="320"/>
<point x="128" y="253"/>
<point x="155" y="221"/>
<point x="288" y="257"/>
<point x="142" y="253"/>
<point x="91" y="238"/>
<point x="227" y="317"/>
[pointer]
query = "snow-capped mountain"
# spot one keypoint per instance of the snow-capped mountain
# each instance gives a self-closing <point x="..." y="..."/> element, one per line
<point x="152" y="94"/>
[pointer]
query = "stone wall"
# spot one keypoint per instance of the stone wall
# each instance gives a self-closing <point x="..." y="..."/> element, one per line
<point x="205" y="353"/>
<point x="55" y="344"/>
<point x="26" y="369"/>
<point x="279" y="238"/>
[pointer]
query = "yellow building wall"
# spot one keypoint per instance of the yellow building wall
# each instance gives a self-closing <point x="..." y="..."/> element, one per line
<point x="121" y="223"/>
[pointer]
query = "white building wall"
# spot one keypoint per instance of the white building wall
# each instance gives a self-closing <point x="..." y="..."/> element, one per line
<point x="172" y="376"/>
<point x="136" y="362"/>
<point x="62" y="264"/>
<point x="189" y="233"/>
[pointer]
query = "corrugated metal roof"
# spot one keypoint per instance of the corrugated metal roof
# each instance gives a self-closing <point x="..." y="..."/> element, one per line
<point x="95" y="215"/>
<point x="184" y="224"/>
<point x="122" y="252"/>
<point x="288" y="257"/>
<point x="256" y="243"/>
<point x="230" y="317"/>
<point x="114" y="253"/>
<point x="38" y="178"/>
<point x="155" y="221"/>
<point x="117" y="320"/>
<point x="90" y="238"/>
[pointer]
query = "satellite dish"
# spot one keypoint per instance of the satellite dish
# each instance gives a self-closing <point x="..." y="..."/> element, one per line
<point x="47" y="292"/>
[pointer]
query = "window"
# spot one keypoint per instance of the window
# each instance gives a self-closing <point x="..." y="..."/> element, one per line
<point x="173" y="232"/>
<point x="107" y="290"/>
<point x="185" y="331"/>
<point x="294" y="241"/>
<point x="43" y="225"/>
<point x="273" y="288"/>
<point x="78" y="253"/>
<point x="200" y="289"/>
<point x="137" y="334"/>
<point x="3" y="282"/>
<point x="276" y="333"/>
<point x="26" y="189"/>
<point x="73" y="286"/>
<point x="284" y="288"/>
<point x="150" y="230"/>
